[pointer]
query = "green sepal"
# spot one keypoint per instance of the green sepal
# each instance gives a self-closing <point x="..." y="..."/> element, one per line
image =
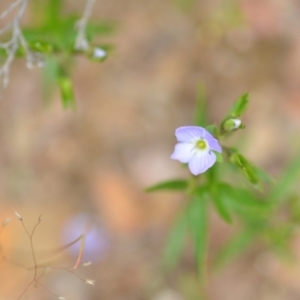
<point x="229" y="124"/>
<point x="247" y="169"/>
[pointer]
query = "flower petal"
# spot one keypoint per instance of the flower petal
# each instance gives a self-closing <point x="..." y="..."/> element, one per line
<point x="200" y="162"/>
<point x="212" y="142"/>
<point x="189" y="133"/>
<point x="183" y="152"/>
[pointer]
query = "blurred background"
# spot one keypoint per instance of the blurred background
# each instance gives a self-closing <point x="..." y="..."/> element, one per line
<point x="92" y="163"/>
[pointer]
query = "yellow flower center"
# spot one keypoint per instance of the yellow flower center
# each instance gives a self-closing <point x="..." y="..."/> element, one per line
<point x="201" y="144"/>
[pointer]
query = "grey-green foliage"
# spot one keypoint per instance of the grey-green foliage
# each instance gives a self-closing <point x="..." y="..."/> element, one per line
<point x="51" y="38"/>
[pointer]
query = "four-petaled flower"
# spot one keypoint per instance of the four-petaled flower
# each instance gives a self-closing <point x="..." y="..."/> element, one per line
<point x="195" y="147"/>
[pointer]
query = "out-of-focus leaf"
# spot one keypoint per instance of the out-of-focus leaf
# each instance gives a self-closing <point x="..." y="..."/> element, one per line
<point x="235" y="247"/>
<point x="220" y="203"/>
<point x="219" y="156"/>
<point x="200" y="118"/>
<point x="63" y="33"/>
<point x="185" y="5"/>
<point x="239" y="106"/>
<point x="242" y="199"/>
<point x="49" y="78"/>
<point x="198" y="224"/>
<point x="171" y="185"/>
<point x="247" y="169"/>
<point x="66" y="90"/>
<point x="103" y="28"/>
<point x="213" y="129"/>
<point x="210" y="128"/>
<point x="263" y="175"/>
<point x="176" y="242"/>
<point x="279" y="239"/>
<point x="54" y="9"/>
<point x="283" y="187"/>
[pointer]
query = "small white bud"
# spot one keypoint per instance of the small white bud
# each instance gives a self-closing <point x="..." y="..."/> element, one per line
<point x="18" y="215"/>
<point x="86" y="264"/>
<point x="61" y="298"/>
<point x="237" y="123"/>
<point x="5" y="222"/>
<point x="99" y="53"/>
<point x="231" y="124"/>
<point x="90" y="281"/>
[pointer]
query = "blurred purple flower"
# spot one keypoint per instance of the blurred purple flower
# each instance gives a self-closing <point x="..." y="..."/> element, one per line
<point x="96" y="242"/>
<point x="195" y="147"/>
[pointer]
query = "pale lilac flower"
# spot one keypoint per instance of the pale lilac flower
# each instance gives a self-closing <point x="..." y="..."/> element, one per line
<point x="96" y="239"/>
<point x="195" y="147"/>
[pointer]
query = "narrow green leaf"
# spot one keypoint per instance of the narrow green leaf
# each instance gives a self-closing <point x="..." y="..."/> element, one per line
<point x="220" y="203"/>
<point x="176" y="242"/>
<point x="239" y="106"/>
<point x="222" y="209"/>
<point x="234" y="248"/>
<point x="198" y="224"/>
<point x="54" y="9"/>
<point x="283" y="187"/>
<point x="49" y="77"/>
<point x="171" y="185"/>
<point x="200" y="118"/>
<point x="263" y="175"/>
<point x="242" y="199"/>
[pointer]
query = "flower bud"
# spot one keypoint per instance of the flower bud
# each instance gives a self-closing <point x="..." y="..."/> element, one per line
<point x="90" y="281"/>
<point x="99" y="53"/>
<point x="231" y="124"/>
<point x="18" y="216"/>
<point x="5" y="222"/>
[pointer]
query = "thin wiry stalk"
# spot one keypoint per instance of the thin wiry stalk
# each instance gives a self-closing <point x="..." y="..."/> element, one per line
<point x="16" y="40"/>
<point x="37" y="266"/>
<point x="81" y="42"/>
